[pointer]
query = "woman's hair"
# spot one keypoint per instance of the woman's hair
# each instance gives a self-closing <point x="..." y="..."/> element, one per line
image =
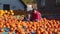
<point x="33" y="10"/>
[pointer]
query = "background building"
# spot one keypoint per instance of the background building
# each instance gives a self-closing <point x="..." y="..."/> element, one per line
<point x="12" y="4"/>
<point x="49" y="6"/>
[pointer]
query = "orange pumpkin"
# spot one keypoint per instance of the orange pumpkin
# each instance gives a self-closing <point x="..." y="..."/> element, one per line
<point x="1" y="26"/>
<point x="13" y="25"/>
<point x="11" y="29"/>
<point x="27" y="31"/>
<point x="17" y="32"/>
<point x="10" y="33"/>
<point x="21" y="31"/>
<point x="58" y="32"/>
<point x="38" y="32"/>
<point x="2" y="30"/>
<point x="58" y="26"/>
<point x="7" y="24"/>
<point x="4" y="26"/>
<point x="50" y="32"/>
<point x="45" y="32"/>
<point x="15" y="28"/>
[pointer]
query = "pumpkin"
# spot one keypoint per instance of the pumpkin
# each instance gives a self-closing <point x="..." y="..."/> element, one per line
<point x="10" y="33"/>
<point x="2" y="30"/>
<point x="27" y="31"/>
<point x="12" y="13"/>
<point x="45" y="32"/>
<point x="21" y="31"/>
<point x="50" y="32"/>
<point x="58" y="32"/>
<point x="11" y="29"/>
<point x="1" y="26"/>
<point x="4" y="26"/>
<point x="38" y="32"/>
<point x="1" y="12"/>
<point x="13" y="25"/>
<point x="6" y="11"/>
<point x="59" y="26"/>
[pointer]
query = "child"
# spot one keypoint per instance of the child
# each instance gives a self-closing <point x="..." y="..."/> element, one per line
<point x="27" y="17"/>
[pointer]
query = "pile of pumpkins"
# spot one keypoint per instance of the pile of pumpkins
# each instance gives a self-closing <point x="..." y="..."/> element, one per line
<point x="12" y="24"/>
<point x="2" y="12"/>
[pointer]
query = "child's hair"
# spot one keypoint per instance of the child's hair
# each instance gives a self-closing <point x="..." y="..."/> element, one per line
<point x="28" y="15"/>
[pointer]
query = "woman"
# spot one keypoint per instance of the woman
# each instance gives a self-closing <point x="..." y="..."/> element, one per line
<point x="36" y="15"/>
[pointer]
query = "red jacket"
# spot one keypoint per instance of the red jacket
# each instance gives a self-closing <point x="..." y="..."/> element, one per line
<point x="36" y="16"/>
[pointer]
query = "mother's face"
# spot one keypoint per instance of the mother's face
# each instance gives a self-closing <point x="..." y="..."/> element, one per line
<point x="35" y="11"/>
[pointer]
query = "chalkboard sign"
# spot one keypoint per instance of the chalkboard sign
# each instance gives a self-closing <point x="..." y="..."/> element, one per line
<point x="6" y="7"/>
